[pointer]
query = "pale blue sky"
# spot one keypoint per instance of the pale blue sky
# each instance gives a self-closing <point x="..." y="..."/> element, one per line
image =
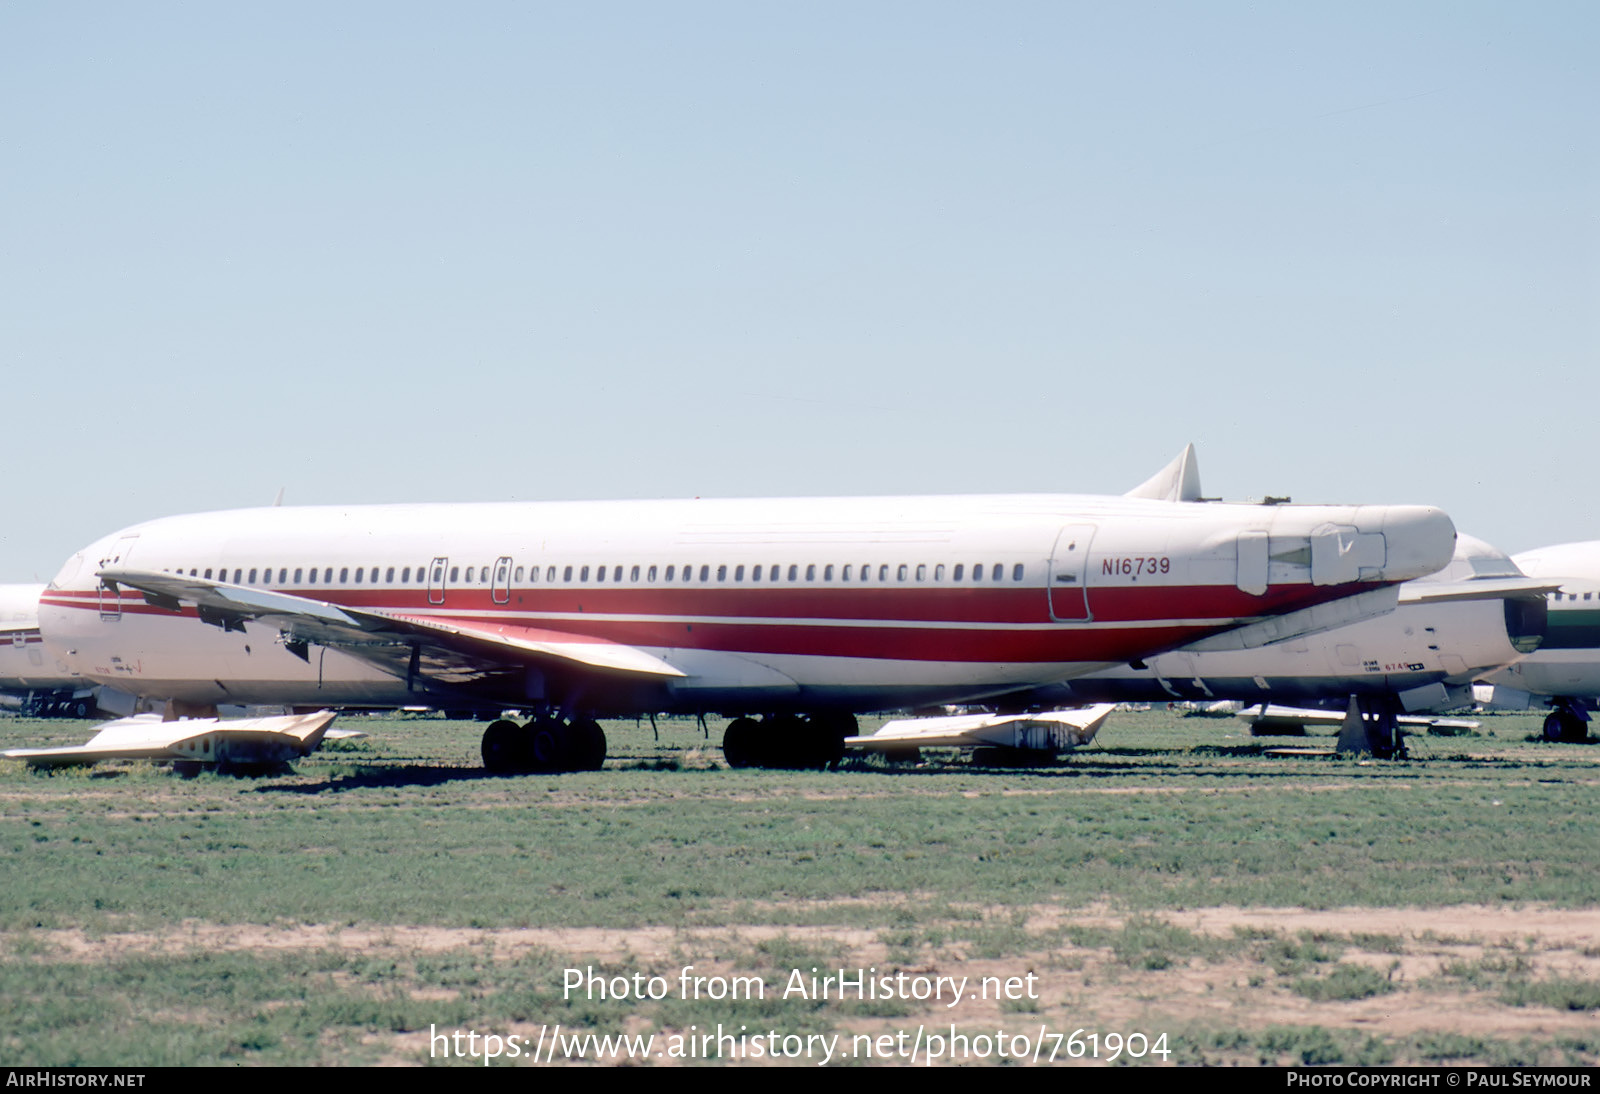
<point x="381" y="252"/>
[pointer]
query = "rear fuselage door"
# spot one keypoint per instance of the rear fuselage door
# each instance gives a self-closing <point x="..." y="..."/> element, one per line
<point x="1069" y="574"/>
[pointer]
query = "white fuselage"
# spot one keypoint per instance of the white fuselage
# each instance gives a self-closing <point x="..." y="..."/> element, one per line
<point x="843" y="603"/>
<point x="24" y="666"/>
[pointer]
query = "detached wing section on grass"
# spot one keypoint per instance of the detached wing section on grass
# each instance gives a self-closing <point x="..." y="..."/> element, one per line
<point x="1049" y="731"/>
<point x="413" y="648"/>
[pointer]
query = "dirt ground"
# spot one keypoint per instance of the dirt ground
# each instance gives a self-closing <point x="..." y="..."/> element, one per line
<point x="1228" y="997"/>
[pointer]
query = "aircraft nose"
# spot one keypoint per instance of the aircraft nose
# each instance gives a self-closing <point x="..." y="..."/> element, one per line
<point x="1419" y="540"/>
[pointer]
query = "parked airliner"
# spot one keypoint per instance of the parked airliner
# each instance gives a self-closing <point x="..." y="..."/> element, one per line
<point x="30" y="682"/>
<point x="800" y="611"/>
<point x="1564" y="674"/>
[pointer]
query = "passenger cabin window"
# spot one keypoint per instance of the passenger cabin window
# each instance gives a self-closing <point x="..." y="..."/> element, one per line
<point x="650" y="575"/>
<point x="900" y="572"/>
<point x="283" y="576"/>
<point x="252" y="575"/>
<point x="670" y="571"/>
<point x="633" y="574"/>
<point x="883" y="572"/>
<point x="344" y="575"/>
<point x="705" y="573"/>
<point x="566" y="574"/>
<point x="938" y="572"/>
<point x="827" y="573"/>
<point x="455" y="572"/>
<point x="583" y="574"/>
<point x="977" y="572"/>
<point x="738" y="573"/>
<point x="922" y="571"/>
<point x="599" y="573"/>
<point x="1016" y="572"/>
<point x="999" y="571"/>
<point x="313" y="573"/>
<point x="794" y="573"/>
<point x="722" y="572"/>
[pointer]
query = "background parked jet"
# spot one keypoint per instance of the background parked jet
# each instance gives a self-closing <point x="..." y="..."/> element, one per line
<point x="31" y="682"/>
<point x="1564" y="674"/>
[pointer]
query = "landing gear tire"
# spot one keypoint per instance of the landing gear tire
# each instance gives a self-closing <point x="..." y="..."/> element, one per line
<point x="827" y="733"/>
<point x="505" y="747"/>
<point x="1563" y="725"/>
<point x="551" y="745"/>
<point x="740" y="743"/>
<point x="588" y="745"/>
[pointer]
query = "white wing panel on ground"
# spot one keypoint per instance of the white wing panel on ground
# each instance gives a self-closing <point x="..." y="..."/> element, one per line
<point x="1051" y="731"/>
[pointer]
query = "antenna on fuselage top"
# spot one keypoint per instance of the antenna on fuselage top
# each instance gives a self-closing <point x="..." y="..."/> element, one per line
<point x="277" y="501"/>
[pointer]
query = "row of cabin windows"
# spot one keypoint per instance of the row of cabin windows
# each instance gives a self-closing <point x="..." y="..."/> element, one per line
<point x="304" y="576"/>
<point x="849" y="572"/>
<point x="886" y="573"/>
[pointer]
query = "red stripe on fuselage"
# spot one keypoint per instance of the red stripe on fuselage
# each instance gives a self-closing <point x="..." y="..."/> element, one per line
<point x="691" y="618"/>
<point x="909" y="604"/>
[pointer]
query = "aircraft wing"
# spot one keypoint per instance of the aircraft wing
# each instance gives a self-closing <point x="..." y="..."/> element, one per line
<point x="207" y="740"/>
<point x="1051" y="731"/>
<point x="1487" y="588"/>
<point x="446" y="651"/>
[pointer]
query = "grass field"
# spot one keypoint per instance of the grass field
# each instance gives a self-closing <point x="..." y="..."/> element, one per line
<point x="1170" y="882"/>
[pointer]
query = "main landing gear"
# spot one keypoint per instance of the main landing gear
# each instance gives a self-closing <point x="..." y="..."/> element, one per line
<point x="788" y="740"/>
<point x="545" y="745"/>
<point x="1567" y="722"/>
